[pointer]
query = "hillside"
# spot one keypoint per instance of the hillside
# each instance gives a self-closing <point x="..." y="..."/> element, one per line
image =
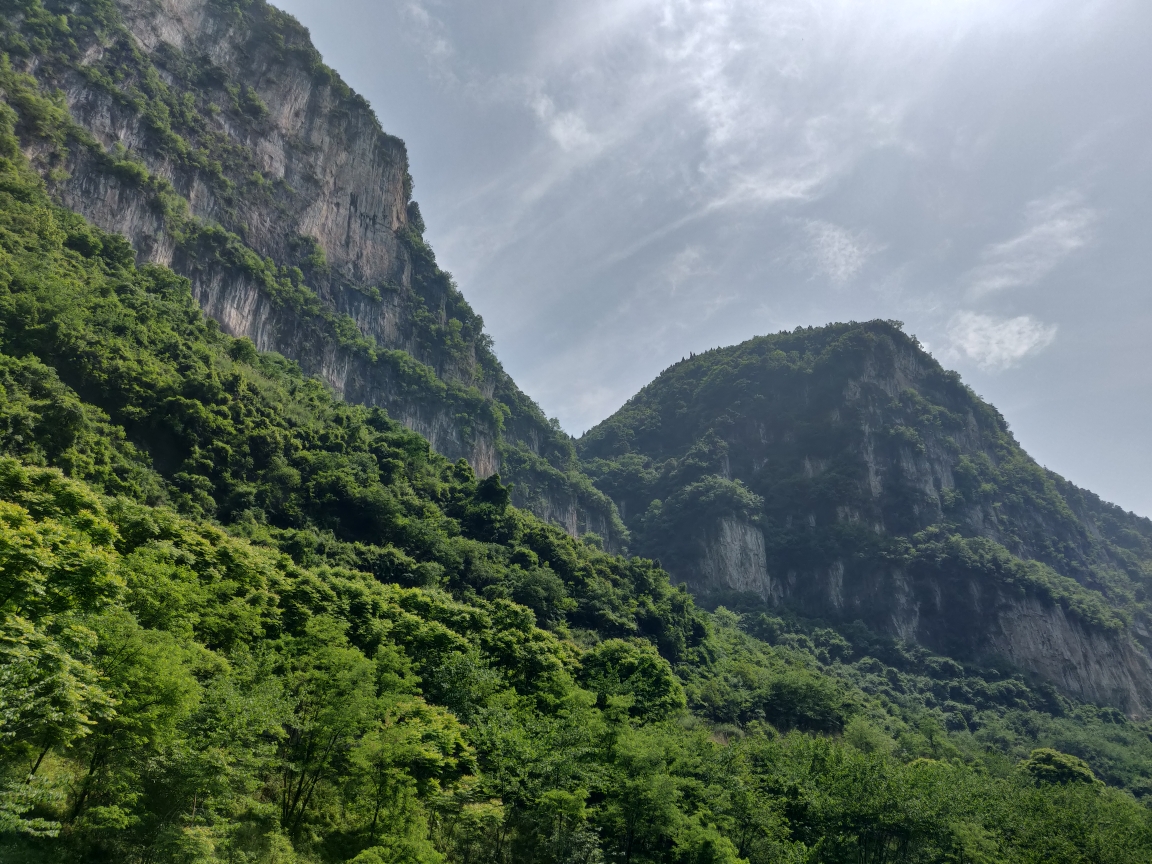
<point x="842" y="474"/>
<point x="212" y="135"/>
<point x="244" y="620"/>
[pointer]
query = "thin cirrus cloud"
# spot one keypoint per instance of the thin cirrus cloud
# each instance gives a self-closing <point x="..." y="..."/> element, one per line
<point x="995" y="344"/>
<point x="427" y="32"/>
<point x="837" y="252"/>
<point x="726" y="104"/>
<point x="1056" y="227"/>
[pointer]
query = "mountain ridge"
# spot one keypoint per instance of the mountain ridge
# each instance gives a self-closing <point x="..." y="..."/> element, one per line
<point x="214" y="137"/>
<point x="244" y="618"/>
<point x="842" y="472"/>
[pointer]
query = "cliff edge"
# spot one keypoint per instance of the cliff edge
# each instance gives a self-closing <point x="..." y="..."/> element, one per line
<point x="842" y="474"/>
<point x="213" y="136"/>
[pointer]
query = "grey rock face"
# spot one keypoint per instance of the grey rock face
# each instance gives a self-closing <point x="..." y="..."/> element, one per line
<point x="1106" y="668"/>
<point x="730" y="557"/>
<point x="305" y="239"/>
<point x="347" y="176"/>
<point x="335" y="178"/>
<point x="962" y="619"/>
<point x="871" y="485"/>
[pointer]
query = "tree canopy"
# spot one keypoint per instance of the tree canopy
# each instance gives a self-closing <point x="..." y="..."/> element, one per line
<point x="243" y="621"/>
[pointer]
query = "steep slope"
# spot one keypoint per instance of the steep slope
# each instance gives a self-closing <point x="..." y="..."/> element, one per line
<point x="215" y="139"/>
<point x="243" y="620"/>
<point x="841" y="473"/>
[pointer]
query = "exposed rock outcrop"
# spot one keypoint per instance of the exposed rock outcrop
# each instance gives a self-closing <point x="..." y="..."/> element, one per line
<point x="840" y="472"/>
<point x="215" y="139"/>
<point x="729" y="557"/>
<point x="1102" y="667"/>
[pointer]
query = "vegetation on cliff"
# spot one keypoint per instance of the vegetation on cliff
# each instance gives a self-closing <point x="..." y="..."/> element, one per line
<point x="191" y="114"/>
<point x="244" y="621"/>
<point x="852" y="450"/>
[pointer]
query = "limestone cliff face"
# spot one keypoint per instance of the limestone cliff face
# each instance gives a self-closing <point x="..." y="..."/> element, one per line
<point x="1101" y="667"/>
<point x="576" y="520"/>
<point x="729" y="556"/>
<point x="959" y="617"/>
<point x="236" y="301"/>
<point x="347" y="178"/>
<point x="215" y="139"/>
<point x="975" y="620"/>
<point x="842" y="473"/>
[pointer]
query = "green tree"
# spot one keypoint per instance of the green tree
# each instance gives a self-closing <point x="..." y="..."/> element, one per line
<point x="618" y="667"/>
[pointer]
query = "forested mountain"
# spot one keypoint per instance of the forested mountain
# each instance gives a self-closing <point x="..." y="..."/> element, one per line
<point x="211" y="134"/>
<point x="248" y="615"/>
<point x="246" y="621"/>
<point x="841" y="473"/>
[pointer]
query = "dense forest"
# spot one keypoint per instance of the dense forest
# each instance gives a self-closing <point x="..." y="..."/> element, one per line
<point x="842" y="473"/>
<point x="228" y="151"/>
<point x="245" y="621"/>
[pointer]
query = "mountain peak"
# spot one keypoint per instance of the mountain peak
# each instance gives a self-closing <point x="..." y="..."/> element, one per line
<point x="842" y="473"/>
<point x="216" y="140"/>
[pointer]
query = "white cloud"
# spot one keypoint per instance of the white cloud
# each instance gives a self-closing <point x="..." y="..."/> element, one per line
<point x="1055" y="227"/>
<point x="687" y="282"/>
<point x="429" y="33"/>
<point x="837" y="252"/>
<point x="998" y="343"/>
<point x="688" y="109"/>
<point x="567" y="128"/>
<point x="686" y="265"/>
<point x="724" y="103"/>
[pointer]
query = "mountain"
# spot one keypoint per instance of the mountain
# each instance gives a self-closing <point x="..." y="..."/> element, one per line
<point x="242" y="619"/>
<point x="841" y="473"/>
<point x="212" y="136"/>
<point x="263" y="599"/>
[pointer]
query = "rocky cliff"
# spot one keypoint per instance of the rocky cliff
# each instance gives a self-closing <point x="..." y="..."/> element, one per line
<point x="842" y="474"/>
<point x="839" y="473"/>
<point x="212" y="135"/>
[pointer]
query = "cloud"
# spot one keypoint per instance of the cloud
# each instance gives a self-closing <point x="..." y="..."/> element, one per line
<point x="837" y="252"/>
<point x="688" y="283"/>
<point x="1055" y="227"/>
<point x="430" y="34"/>
<point x="685" y="265"/>
<point x="726" y="104"/>
<point x="998" y="343"/>
<point x="681" y="111"/>
<point x="566" y="128"/>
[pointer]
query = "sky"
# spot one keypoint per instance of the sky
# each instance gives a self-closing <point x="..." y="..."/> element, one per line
<point x="617" y="183"/>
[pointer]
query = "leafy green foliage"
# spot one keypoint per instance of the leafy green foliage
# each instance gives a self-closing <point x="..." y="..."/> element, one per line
<point x="635" y="670"/>
<point x="195" y="121"/>
<point x="1052" y="766"/>
<point x="241" y="620"/>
